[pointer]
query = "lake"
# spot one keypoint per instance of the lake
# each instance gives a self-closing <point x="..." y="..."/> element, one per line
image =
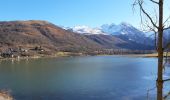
<point x="80" y="78"/>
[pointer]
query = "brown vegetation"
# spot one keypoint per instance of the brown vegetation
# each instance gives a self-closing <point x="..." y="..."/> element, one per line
<point x="5" y="95"/>
<point x="28" y="34"/>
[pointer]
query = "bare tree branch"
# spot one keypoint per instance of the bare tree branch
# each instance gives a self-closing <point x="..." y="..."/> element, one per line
<point x="166" y="80"/>
<point x="149" y="91"/>
<point x="156" y="16"/>
<point x="166" y="96"/>
<point x="167" y="28"/>
<point x="166" y="20"/>
<point x="151" y="27"/>
<point x="160" y="29"/>
<point x="155" y="34"/>
<point x="154" y="1"/>
<point x="142" y="9"/>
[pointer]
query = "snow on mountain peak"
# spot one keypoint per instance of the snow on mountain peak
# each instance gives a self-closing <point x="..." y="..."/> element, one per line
<point x="110" y="29"/>
<point x="123" y="31"/>
<point x="123" y="28"/>
<point x="86" y="30"/>
<point x="124" y="24"/>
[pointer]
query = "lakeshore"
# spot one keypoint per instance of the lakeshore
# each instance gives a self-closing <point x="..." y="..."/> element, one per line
<point x="69" y="54"/>
<point x="151" y="55"/>
<point x="47" y="54"/>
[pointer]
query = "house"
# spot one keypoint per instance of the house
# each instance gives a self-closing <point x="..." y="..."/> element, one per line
<point x="7" y="54"/>
<point x="38" y="48"/>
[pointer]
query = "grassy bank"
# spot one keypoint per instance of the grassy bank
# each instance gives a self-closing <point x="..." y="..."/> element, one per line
<point x="152" y="55"/>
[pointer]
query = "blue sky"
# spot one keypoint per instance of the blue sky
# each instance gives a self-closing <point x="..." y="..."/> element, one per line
<point x="70" y="12"/>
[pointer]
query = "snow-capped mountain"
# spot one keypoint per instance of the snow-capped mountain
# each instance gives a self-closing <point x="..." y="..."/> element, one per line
<point x="123" y="28"/>
<point x="126" y="32"/>
<point x="87" y="30"/>
<point x="123" y="31"/>
<point x="110" y="28"/>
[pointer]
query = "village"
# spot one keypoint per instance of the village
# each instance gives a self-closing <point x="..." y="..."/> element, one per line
<point x="18" y="52"/>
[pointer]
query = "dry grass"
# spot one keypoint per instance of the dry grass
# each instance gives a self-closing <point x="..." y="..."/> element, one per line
<point x="152" y="55"/>
<point x="5" y="95"/>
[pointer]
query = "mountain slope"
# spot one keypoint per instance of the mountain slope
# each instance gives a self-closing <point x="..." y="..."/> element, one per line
<point x="41" y="33"/>
<point x="110" y="42"/>
<point x="33" y="33"/>
<point x="109" y="36"/>
<point x="107" y="41"/>
<point x="127" y="32"/>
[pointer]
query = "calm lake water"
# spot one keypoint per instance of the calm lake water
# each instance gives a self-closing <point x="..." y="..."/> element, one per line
<point x="80" y="78"/>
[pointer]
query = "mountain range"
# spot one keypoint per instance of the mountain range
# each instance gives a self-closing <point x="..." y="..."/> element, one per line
<point x="28" y="34"/>
<point x="130" y="37"/>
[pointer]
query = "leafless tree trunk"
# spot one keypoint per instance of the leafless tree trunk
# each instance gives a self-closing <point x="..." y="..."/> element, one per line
<point x="160" y="53"/>
<point x="158" y="28"/>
